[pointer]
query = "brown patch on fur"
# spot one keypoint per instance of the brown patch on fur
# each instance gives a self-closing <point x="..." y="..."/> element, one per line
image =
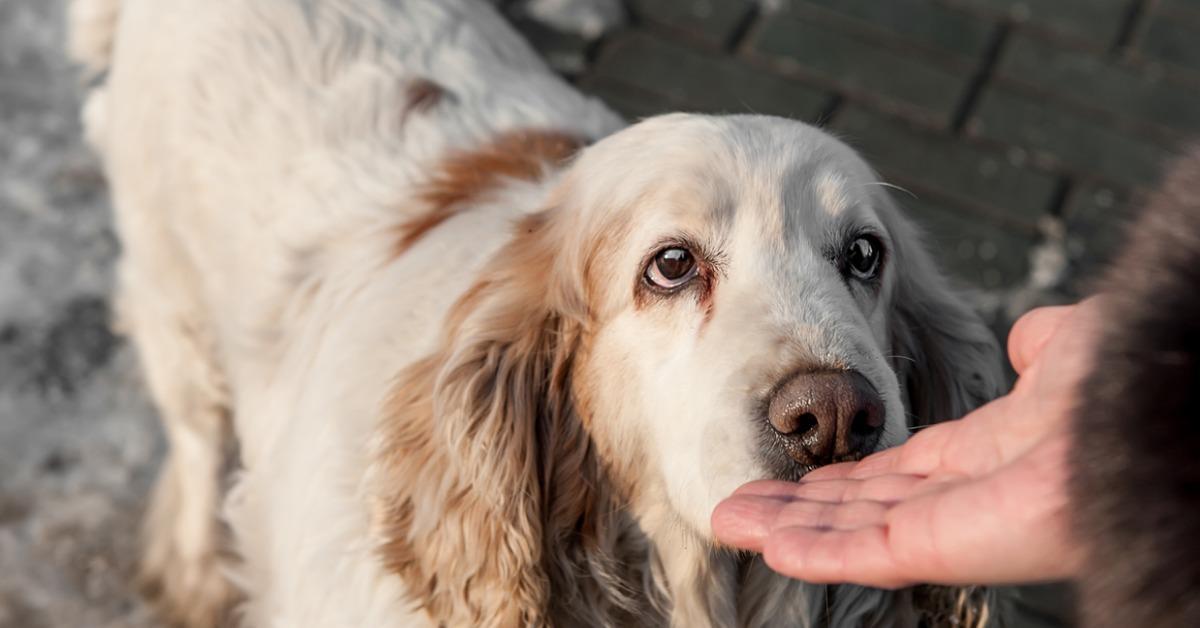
<point x="707" y="305"/>
<point x="490" y="500"/>
<point x="416" y="228"/>
<point x="468" y="176"/>
<point x="421" y="96"/>
<point x="620" y="467"/>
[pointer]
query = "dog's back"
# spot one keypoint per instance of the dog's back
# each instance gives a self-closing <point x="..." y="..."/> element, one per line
<point x="265" y="129"/>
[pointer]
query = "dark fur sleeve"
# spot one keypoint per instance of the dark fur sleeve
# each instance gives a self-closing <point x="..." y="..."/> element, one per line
<point x="1136" y="460"/>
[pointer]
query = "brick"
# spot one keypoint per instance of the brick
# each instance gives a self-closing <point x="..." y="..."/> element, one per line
<point x="1058" y="136"/>
<point x="696" y="80"/>
<point x="1095" y="220"/>
<point x="984" y="254"/>
<point x="920" y="23"/>
<point x="1168" y="38"/>
<point x="1098" y="22"/>
<point x="907" y="83"/>
<point x="629" y="102"/>
<point x="1093" y="81"/>
<point x="1187" y="9"/>
<point x="924" y="161"/>
<point x="713" y="21"/>
<point x="565" y="53"/>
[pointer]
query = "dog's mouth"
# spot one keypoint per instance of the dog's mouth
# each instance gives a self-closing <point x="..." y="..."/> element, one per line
<point x="782" y="467"/>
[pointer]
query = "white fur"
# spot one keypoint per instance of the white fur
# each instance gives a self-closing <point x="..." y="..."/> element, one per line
<point x="260" y="165"/>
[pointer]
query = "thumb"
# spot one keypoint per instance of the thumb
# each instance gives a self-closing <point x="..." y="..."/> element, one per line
<point x="1032" y="331"/>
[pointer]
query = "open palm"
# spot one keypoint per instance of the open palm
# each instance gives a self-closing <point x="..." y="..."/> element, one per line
<point x="978" y="500"/>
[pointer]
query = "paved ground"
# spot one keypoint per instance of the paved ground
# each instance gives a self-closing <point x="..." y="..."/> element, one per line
<point x="1022" y="129"/>
<point x="78" y="443"/>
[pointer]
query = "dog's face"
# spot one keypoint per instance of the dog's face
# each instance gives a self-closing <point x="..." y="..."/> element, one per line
<point x="741" y="279"/>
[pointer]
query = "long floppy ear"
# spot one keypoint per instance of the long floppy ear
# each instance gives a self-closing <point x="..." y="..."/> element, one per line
<point x="480" y="458"/>
<point x="947" y="359"/>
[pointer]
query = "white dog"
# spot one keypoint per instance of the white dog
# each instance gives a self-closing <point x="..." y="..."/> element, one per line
<point x="490" y="356"/>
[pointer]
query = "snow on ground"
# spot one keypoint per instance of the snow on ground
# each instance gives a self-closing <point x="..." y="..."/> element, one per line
<point x="78" y="442"/>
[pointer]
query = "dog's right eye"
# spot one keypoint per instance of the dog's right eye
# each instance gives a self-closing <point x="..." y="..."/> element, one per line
<point x="671" y="268"/>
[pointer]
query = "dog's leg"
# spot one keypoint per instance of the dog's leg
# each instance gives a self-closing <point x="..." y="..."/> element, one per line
<point x="182" y="535"/>
<point x="158" y="308"/>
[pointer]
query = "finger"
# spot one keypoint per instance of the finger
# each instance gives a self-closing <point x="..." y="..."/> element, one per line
<point x="880" y="463"/>
<point x="744" y="521"/>
<point x="768" y="488"/>
<point x="1032" y="331"/>
<point x="850" y="515"/>
<point x="882" y="548"/>
<point x="1072" y="342"/>
<point x="882" y="488"/>
<point x="858" y="556"/>
<point x="923" y="454"/>
<point x="871" y="480"/>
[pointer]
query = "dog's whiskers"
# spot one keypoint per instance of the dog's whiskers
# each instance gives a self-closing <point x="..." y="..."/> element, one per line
<point x="894" y="187"/>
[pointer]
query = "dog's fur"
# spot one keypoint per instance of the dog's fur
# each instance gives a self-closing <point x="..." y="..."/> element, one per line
<point x="1135" y="468"/>
<point x="405" y="259"/>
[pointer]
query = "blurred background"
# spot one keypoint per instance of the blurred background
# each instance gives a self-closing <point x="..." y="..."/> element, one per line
<point x="1023" y="133"/>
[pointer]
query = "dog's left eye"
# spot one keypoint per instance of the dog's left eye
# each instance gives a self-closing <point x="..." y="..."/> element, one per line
<point x="671" y="268"/>
<point x="862" y="256"/>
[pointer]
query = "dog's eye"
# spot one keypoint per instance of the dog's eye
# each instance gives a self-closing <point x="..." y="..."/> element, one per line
<point x="862" y="256"/>
<point x="671" y="268"/>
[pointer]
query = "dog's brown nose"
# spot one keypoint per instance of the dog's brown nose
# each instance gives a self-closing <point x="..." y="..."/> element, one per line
<point x="826" y="416"/>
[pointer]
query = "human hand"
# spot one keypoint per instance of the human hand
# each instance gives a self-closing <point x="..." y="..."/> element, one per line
<point x="978" y="500"/>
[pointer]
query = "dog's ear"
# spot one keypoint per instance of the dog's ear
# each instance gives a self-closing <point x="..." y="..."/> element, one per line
<point x="480" y="461"/>
<point x="947" y="359"/>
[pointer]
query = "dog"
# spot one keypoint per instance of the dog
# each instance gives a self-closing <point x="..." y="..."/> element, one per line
<point x="489" y="354"/>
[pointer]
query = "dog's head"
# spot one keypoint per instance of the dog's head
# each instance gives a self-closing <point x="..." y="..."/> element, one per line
<point x="704" y="302"/>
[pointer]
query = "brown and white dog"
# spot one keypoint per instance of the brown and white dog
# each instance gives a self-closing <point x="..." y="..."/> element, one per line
<point x="490" y="356"/>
